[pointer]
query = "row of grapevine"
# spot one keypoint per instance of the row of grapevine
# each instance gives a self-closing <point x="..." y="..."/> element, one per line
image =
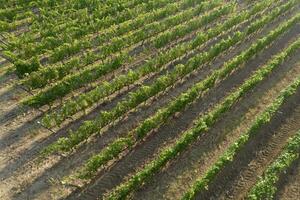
<point x="106" y="15"/>
<point x="10" y="26"/>
<point x="89" y="24"/>
<point x="38" y="17"/>
<point x="160" y="85"/>
<point x="28" y="14"/>
<point x="126" y="40"/>
<point x="53" y="21"/>
<point x="116" y="44"/>
<point x="262" y="119"/>
<point x="128" y="98"/>
<point x="88" y="76"/>
<point x="71" y="13"/>
<point x="59" y="71"/>
<point x="109" y="43"/>
<point x="13" y="14"/>
<point x="10" y="4"/>
<point x="77" y="80"/>
<point x="86" y="100"/>
<point x="265" y="188"/>
<point x="43" y="76"/>
<point x="129" y="25"/>
<point x="203" y="124"/>
<point x="177" y="105"/>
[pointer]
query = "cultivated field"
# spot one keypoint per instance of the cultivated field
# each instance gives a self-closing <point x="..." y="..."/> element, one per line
<point x="149" y="99"/>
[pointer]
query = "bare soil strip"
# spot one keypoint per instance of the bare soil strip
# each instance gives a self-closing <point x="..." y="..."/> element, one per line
<point x="237" y="178"/>
<point x="288" y="187"/>
<point x="106" y="180"/>
<point x="174" y="180"/>
<point x="21" y="138"/>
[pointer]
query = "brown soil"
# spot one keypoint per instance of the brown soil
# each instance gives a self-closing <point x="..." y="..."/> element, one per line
<point x="172" y="182"/>
<point x="288" y="187"/>
<point x="138" y="157"/>
<point x="24" y="176"/>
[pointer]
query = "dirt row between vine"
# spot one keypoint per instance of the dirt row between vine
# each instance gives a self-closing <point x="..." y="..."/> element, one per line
<point x="117" y="96"/>
<point x="136" y="157"/>
<point x="64" y="162"/>
<point x="141" y="51"/>
<point x="30" y="140"/>
<point x="236" y="179"/>
<point x="95" y="49"/>
<point x="176" y="178"/>
<point x="22" y="138"/>
<point x="9" y="117"/>
<point x="79" y="117"/>
<point x="289" y="183"/>
<point x="11" y="138"/>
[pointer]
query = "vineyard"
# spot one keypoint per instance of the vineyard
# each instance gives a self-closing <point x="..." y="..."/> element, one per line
<point x="149" y="99"/>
